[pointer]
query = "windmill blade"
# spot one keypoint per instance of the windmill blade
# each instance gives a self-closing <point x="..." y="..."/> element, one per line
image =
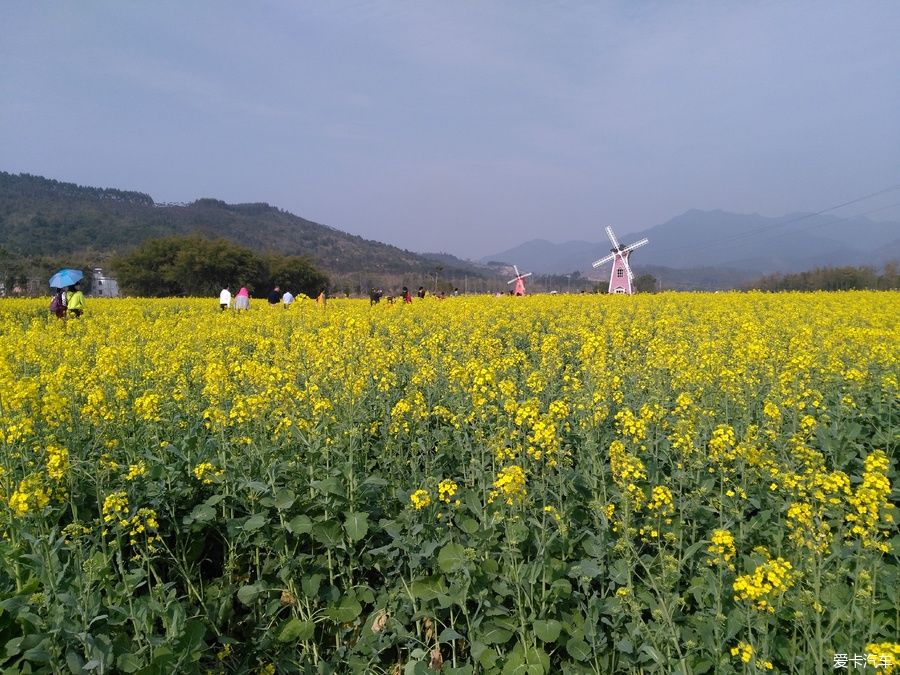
<point x="612" y="237"/>
<point x="517" y="271"/>
<point x="512" y="281"/>
<point x="522" y="276"/>
<point x="635" y="245"/>
<point x="605" y="260"/>
<point x="628" y="268"/>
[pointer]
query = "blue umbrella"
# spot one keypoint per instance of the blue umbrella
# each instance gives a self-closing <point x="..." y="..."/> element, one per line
<point x="65" y="278"/>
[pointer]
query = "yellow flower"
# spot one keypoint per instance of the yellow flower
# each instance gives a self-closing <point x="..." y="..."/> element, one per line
<point x="885" y="656"/>
<point x="743" y="650"/>
<point x="765" y="583"/>
<point x="420" y="499"/>
<point x="136" y="470"/>
<point x="57" y="462"/>
<point x="30" y="495"/>
<point x="869" y="516"/>
<point x="510" y="485"/>
<point x="661" y="501"/>
<point x="206" y="472"/>
<point x="115" y="507"/>
<point x="721" y="549"/>
<point x="446" y="490"/>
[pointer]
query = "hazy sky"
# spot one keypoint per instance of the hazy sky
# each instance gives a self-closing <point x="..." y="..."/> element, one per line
<point x="460" y="126"/>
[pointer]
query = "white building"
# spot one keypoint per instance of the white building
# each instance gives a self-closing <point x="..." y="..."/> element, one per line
<point x="103" y="286"/>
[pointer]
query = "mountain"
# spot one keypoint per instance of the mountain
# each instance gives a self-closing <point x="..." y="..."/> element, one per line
<point x="43" y="217"/>
<point x="718" y="239"/>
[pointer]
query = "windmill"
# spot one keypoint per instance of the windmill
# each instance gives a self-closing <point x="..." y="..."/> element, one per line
<point x="519" y="282"/>
<point x="621" y="276"/>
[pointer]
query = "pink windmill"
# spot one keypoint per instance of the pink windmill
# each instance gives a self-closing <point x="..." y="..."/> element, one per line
<point x="621" y="276"/>
<point x="519" y="282"/>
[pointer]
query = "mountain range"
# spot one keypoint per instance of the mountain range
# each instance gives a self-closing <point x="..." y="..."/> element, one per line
<point x="748" y="246"/>
<point x="44" y="222"/>
<point x="40" y="217"/>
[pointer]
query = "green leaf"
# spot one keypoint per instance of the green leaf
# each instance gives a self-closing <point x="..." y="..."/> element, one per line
<point x="74" y="661"/>
<point x="586" y="568"/>
<point x="531" y="661"/>
<point x="357" y="525"/>
<point x="284" y="499"/>
<point x="348" y="609"/>
<point x="734" y="623"/>
<point x="128" y="663"/>
<point x="548" y="630"/>
<point x="311" y="583"/>
<point x="651" y="651"/>
<point x="328" y="533"/>
<point x="247" y="593"/>
<point x="416" y="668"/>
<point x="578" y="649"/>
<point x="300" y="525"/>
<point x="494" y="634"/>
<point x="451" y="557"/>
<point x="517" y="532"/>
<point x="254" y="522"/>
<point x="449" y="634"/>
<point x="427" y="588"/>
<point x="203" y="513"/>
<point x="14" y="647"/>
<point x="329" y="486"/>
<point x="462" y="670"/>
<point x="469" y="525"/>
<point x="295" y="629"/>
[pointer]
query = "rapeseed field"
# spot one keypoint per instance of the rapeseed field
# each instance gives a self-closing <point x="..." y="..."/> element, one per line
<point x="674" y="483"/>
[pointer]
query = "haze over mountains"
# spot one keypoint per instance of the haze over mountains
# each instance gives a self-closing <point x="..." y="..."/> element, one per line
<point x="45" y="217"/>
<point x="747" y="245"/>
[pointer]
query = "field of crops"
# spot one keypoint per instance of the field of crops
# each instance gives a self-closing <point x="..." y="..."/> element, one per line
<point x="673" y="483"/>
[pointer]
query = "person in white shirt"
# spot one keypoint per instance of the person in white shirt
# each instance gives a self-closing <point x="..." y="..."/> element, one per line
<point x="287" y="299"/>
<point x="225" y="298"/>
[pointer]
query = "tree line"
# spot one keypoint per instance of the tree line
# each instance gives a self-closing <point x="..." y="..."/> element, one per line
<point x="833" y="279"/>
<point x="195" y="266"/>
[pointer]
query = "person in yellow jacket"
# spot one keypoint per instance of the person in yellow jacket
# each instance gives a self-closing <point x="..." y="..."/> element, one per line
<point x="75" y="304"/>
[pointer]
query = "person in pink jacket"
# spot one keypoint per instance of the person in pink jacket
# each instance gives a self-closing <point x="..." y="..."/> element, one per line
<point x="242" y="299"/>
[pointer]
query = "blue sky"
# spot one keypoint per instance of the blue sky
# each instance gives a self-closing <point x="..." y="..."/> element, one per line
<point x="467" y="126"/>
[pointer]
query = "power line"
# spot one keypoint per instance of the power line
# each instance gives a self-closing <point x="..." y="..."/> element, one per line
<point x="857" y="215"/>
<point x="764" y="228"/>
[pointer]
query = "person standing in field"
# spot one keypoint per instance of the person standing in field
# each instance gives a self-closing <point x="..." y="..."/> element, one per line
<point x="75" y="304"/>
<point x="287" y="299"/>
<point x="58" y="304"/>
<point x="225" y="298"/>
<point x="407" y="298"/>
<point x="242" y="300"/>
<point x="321" y="299"/>
<point x="421" y="292"/>
<point x="275" y="296"/>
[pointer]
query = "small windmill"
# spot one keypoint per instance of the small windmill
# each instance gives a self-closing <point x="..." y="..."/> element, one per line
<point x="519" y="282"/>
<point x="621" y="276"/>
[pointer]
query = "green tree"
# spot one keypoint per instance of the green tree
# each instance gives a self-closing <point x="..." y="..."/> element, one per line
<point x="296" y="274"/>
<point x="645" y="283"/>
<point x="196" y="266"/>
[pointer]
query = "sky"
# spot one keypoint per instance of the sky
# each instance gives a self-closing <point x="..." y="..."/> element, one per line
<point x="464" y="126"/>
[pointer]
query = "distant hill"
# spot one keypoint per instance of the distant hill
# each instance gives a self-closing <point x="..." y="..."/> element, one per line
<point x="43" y="217"/>
<point x="751" y="244"/>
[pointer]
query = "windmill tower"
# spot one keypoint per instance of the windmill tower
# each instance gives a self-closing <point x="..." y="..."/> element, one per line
<point x="621" y="277"/>
<point x="519" y="282"/>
